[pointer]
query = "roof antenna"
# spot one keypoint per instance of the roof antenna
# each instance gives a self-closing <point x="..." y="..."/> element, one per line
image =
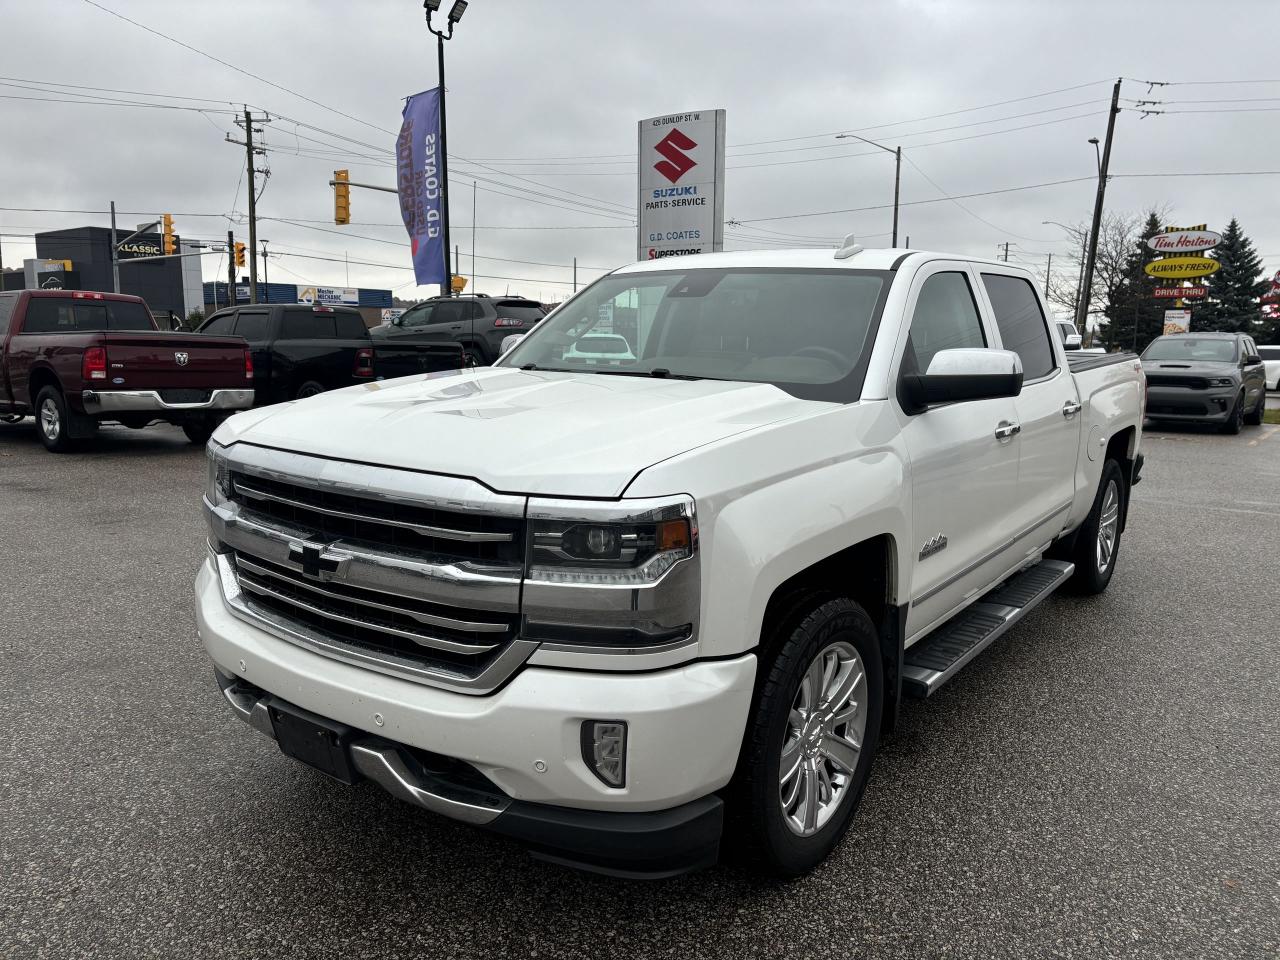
<point x="848" y="248"/>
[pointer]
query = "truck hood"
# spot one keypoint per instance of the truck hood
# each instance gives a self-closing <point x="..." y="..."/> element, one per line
<point x="545" y="433"/>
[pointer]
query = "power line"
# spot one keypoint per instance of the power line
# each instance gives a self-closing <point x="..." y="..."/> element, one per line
<point x="232" y="66"/>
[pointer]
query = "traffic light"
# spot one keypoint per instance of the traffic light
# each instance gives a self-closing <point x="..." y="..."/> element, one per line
<point x="341" y="197"/>
<point x="239" y="254"/>
<point x="170" y="241"/>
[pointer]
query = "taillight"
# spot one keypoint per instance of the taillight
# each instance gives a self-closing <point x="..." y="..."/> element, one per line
<point x="364" y="362"/>
<point x="248" y="365"/>
<point x="94" y="365"/>
<point x="508" y="322"/>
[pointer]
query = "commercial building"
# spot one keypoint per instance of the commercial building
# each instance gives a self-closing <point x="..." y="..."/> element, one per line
<point x="370" y="303"/>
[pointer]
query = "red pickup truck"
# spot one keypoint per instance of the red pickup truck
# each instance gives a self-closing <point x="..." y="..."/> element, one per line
<point x="75" y="359"/>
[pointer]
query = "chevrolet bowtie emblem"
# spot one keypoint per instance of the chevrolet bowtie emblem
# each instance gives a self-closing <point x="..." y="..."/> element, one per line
<point x="317" y="560"/>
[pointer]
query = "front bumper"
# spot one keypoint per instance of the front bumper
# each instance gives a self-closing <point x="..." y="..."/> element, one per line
<point x="685" y="724"/>
<point x="1180" y="403"/>
<point x="648" y="845"/>
<point x="98" y="402"/>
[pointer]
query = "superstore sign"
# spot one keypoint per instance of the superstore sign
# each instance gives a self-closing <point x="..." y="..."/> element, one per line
<point x="681" y="184"/>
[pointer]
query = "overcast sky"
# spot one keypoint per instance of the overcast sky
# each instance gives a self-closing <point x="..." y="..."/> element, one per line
<point x="563" y="83"/>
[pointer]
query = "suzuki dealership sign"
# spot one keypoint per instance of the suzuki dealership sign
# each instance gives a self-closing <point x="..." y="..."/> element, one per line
<point x="681" y="176"/>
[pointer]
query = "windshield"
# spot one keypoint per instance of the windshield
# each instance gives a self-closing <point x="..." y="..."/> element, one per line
<point x="806" y="331"/>
<point x="1191" y="348"/>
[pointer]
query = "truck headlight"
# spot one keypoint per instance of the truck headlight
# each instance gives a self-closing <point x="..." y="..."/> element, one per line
<point x="217" y="488"/>
<point x="1220" y="381"/>
<point x="592" y="552"/>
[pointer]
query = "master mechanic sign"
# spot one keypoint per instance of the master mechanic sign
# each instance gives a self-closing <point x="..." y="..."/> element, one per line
<point x="681" y="177"/>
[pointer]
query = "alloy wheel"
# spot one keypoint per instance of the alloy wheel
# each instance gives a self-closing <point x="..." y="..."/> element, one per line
<point x="823" y="740"/>
<point x="50" y="419"/>
<point x="1108" y="526"/>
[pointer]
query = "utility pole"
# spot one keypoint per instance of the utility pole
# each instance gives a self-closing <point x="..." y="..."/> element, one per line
<point x="455" y="14"/>
<point x="1086" y="283"/>
<point x="231" y="269"/>
<point x="115" y="252"/>
<point x="575" y="274"/>
<point x="473" y="234"/>
<point x="897" y="182"/>
<point x="250" y="152"/>
<point x="1005" y="258"/>
<point x="265" y="281"/>
<point x="1048" y="272"/>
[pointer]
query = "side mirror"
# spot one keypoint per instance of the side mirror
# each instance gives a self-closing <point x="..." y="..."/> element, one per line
<point x="1252" y="359"/>
<point x="510" y="341"/>
<point x="958" y="375"/>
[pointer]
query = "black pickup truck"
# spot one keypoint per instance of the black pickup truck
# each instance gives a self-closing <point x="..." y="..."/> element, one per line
<point x="299" y="350"/>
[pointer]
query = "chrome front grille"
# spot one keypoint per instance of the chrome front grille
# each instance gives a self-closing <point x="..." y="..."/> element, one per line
<point x="410" y="574"/>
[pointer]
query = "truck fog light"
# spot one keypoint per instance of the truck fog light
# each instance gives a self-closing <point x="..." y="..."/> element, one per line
<point x="604" y="750"/>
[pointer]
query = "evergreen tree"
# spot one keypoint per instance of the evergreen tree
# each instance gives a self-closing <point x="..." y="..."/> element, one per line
<point x="1130" y="301"/>
<point x="1232" y="301"/>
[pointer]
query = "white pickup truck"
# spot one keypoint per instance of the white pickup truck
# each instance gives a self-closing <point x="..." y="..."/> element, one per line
<point x="618" y="609"/>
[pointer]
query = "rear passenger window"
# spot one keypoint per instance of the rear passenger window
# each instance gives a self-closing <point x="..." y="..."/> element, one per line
<point x="306" y="325"/>
<point x="350" y="326"/>
<point x="1021" y="323"/>
<point x="945" y="318"/>
<point x="252" y="326"/>
<point x="220" y="325"/>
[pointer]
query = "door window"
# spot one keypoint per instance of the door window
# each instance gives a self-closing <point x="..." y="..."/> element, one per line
<point x="1021" y="323"/>
<point x="945" y="318"/>
<point x="418" y="316"/>
<point x="219" y="325"/>
<point x="452" y="311"/>
<point x="306" y="324"/>
<point x="252" y="325"/>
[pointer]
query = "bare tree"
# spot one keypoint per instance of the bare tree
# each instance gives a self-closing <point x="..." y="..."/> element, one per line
<point x="1116" y="238"/>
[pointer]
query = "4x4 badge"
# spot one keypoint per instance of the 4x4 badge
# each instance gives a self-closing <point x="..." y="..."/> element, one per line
<point x="935" y="544"/>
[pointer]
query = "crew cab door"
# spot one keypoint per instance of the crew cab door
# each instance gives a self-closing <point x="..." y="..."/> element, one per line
<point x="1048" y="413"/>
<point x="964" y="460"/>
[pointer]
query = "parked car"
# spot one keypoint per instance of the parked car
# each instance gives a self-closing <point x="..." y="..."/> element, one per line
<point x="76" y="359"/>
<point x="1271" y="363"/>
<point x="1205" y="377"/>
<point x="477" y="323"/>
<point x="1071" y="339"/>
<point x="600" y="347"/>
<point x="591" y="607"/>
<point x="299" y="350"/>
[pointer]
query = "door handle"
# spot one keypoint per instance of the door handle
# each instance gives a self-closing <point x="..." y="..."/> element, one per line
<point x="1070" y="408"/>
<point x="455" y="326"/>
<point x="1005" y="429"/>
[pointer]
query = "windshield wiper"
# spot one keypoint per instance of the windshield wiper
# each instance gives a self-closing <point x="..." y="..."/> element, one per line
<point x="661" y="373"/>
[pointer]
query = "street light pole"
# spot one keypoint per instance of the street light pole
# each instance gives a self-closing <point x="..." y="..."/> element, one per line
<point x="455" y="14"/>
<point x="897" y="173"/>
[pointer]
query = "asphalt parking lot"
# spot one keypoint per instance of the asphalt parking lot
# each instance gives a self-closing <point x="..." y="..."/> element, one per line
<point x="1102" y="782"/>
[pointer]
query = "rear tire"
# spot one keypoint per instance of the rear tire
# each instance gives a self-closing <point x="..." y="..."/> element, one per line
<point x="822" y="693"/>
<point x="198" y="431"/>
<point x="1097" y="542"/>
<point x="309" y="389"/>
<point x="1254" y="417"/>
<point x="53" y="420"/>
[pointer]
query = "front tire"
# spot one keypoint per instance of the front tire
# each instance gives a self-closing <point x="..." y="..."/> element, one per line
<point x="1097" y="544"/>
<point x="309" y="389"/>
<point x="812" y="737"/>
<point x="1235" y="421"/>
<point x="1254" y="417"/>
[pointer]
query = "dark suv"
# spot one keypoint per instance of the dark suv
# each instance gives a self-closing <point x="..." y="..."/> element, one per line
<point x="1210" y="377"/>
<point x="477" y="322"/>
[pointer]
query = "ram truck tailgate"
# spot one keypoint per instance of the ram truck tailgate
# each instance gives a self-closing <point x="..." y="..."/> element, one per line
<point x="174" y="361"/>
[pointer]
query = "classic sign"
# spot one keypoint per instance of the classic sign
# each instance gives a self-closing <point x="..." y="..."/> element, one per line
<point x="1182" y="268"/>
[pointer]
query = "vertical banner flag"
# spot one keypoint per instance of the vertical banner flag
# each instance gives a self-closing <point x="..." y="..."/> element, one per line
<point x="418" y="184"/>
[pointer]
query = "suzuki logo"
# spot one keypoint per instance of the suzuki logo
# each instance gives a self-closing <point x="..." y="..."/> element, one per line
<point x="677" y="162"/>
<point x="181" y="358"/>
<point x="316" y="560"/>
